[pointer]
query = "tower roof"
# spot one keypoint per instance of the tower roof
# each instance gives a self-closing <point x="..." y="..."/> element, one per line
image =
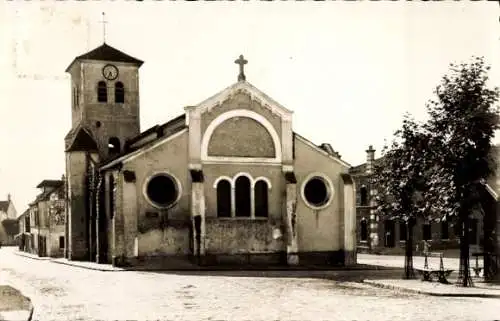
<point x="107" y="53"/>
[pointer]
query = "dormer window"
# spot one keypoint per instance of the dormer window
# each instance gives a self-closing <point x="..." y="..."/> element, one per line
<point x="119" y="93"/>
<point x="102" y="92"/>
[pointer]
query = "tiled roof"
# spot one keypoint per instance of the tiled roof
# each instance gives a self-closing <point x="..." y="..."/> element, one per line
<point x="107" y="53"/>
<point x="79" y="139"/>
<point x="50" y="183"/>
<point x="165" y="130"/>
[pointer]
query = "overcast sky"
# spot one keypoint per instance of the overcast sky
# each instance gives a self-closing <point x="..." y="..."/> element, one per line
<point x="348" y="70"/>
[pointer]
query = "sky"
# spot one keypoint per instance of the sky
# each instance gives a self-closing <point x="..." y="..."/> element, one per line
<point x="348" y="70"/>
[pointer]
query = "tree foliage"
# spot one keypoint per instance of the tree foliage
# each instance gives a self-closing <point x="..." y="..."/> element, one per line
<point x="400" y="174"/>
<point x="463" y="120"/>
<point x="11" y="226"/>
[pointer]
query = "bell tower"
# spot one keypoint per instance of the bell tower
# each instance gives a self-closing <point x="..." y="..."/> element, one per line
<point x="105" y="114"/>
<point x="105" y="98"/>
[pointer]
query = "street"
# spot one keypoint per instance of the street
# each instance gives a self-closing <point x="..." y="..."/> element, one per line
<point x="61" y="292"/>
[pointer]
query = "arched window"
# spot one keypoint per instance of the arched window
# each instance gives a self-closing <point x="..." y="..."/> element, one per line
<point x="114" y="145"/>
<point x="364" y="196"/>
<point x="364" y="230"/>
<point x="224" y="198"/>
<point x="261" y="202"/>
<point x="119" y="93"/>
<point x="102" y="92"/>
<point x="243" y="203"/>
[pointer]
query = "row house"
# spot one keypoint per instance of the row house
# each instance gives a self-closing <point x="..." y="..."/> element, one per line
<point x="376" y="234"/>
<point x="44" y="221"/>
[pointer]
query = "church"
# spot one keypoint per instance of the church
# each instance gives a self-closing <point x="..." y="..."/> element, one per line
<point x="226" y="182"/>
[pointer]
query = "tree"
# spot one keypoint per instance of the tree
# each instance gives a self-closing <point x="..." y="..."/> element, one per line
<point x="401" y="184"/>
<point x="462" y="123"/>
<point x="11" y="226"/>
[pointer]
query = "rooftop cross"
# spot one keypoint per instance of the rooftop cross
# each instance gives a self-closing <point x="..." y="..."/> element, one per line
<point x="104" y="22"/>
<point x="242" y="62"/>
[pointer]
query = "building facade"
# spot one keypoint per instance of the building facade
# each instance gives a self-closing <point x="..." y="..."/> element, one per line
<point x="43" y="224"/>
<point x="378" y="235"/>
<point x="8" y="228"/>
<point x="226" y="182"/>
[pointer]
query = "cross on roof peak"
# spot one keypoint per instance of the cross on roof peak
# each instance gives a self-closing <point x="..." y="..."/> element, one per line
<point x="104" y="22"/>
<point x="241" y="61"/>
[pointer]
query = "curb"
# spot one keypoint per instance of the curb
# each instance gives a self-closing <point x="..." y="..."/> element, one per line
<point x="360" y="267"/>
<point x="403" y="289"/>
<point x="87" y="267"/>
<point x="45" y="258"/>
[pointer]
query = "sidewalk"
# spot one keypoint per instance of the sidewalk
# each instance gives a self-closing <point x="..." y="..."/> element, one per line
<point x="480" y="289"/>
<point x="14" y="305"/>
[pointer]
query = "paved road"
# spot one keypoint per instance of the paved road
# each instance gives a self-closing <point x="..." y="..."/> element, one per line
<point x="61" y="292"/>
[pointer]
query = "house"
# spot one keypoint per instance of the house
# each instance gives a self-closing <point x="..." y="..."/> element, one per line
<point x="47" y="219"/>
<point x="8" y="224"/>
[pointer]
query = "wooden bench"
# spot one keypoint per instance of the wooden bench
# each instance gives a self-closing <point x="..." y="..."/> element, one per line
<point x="428" y="273"/>
<point x="477" y="269"/>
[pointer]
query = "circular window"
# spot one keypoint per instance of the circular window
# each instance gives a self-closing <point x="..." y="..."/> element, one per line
<point x="162" y="190"/>
<point x="317" y="191"/>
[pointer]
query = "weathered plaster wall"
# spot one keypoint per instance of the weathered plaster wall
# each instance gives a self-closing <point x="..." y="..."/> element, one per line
<point x="156" y="228"/>
<point x="318" y="230"/>
<point x="76" y="163"/>
<point x="237" y="236"/>
<point x="117" y="119"/>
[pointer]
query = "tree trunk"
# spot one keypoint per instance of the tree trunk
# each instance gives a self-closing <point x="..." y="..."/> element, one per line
<point x="464" y="277"/>
<point x="409" y="272"/>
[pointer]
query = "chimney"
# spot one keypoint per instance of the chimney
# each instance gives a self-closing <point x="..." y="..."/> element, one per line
<point x="370" y="157"/>
<point x="8" y="197"/>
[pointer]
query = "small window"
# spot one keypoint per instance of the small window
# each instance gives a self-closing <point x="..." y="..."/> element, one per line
<point x="261" y="199"/>
<point x="114" y="145"/>
<point x="364" y="196"/>
<point x="61" y="242"/>
<point x="364" y="230"/>
<point x="402" y="231"/>
<point x="102" y="92"/>
<point x="162" y="190"/>
<point x="119" y="93"/>
<point x="426" y="231"/>
<point x="444" y="230"/>
<point x="316" y="192"/>
<point x="223" y="198"/>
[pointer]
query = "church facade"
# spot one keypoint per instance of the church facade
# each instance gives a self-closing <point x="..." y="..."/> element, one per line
<point x="226" y="182"/>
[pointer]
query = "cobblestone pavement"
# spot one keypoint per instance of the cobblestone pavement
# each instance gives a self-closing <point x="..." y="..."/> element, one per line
<point x="61" y="292"/>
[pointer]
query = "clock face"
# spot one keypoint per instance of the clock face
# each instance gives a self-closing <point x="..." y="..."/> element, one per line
<point x="110" y="72"/>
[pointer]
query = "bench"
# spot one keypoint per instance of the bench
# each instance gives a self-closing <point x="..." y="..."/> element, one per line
<point x="477" y="269"/>
<point x="428" y="273"/>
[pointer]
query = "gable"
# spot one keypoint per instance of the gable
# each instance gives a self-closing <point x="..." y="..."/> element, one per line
<point x="247" y="89"/>
<point x="82" y="140"/>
